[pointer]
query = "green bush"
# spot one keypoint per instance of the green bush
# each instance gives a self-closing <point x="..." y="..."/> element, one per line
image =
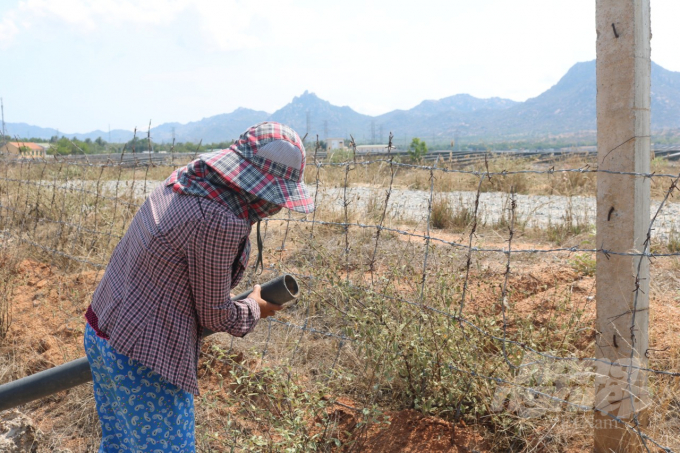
<point x="417" y="150"/>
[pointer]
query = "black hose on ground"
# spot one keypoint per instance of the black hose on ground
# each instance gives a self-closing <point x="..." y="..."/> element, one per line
<point x="279" y="291"/>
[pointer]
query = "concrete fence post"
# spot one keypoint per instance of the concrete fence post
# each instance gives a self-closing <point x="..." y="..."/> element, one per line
<point x="623" y="145"/>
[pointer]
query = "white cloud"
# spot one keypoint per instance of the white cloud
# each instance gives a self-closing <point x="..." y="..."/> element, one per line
<point x="8" y="30"/>
<point x="238" y="24"/>
<point x="228" y="24"/>
<point x="83" y="16"/>
<point x="224" y="24"/>
<point x="87" y="14"/>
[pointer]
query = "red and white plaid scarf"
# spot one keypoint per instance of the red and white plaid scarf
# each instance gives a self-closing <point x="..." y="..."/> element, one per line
<point x="200" y="180"/>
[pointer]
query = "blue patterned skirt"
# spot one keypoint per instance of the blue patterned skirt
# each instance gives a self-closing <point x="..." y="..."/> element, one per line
<point x="139" y="411"/>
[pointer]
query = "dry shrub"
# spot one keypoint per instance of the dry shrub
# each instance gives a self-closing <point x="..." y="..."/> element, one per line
<point x="580" y="183"/>
<point x="450" y="182"/>
<point x="442" y="213"/>
<point x="73" y="420"/>
<point x="673" y="244"/>
<point x="506" y="221"/>
<point x="572" y="183"/>
<point x="572" y="224"/>
<point x="337" y="174"/>
<point x="513" y="182"/>
<point x="446" y="216"/>
<point x="420" y="180"/>
<point x="375" y="209"/>
<point x="579" y="179"/>
<point x="509" y="177"/>
<point x="8" y="271"/>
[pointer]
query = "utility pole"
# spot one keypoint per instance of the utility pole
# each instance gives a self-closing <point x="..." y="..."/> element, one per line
<point x="623" y="203"/>
<point x="308" y="123"/>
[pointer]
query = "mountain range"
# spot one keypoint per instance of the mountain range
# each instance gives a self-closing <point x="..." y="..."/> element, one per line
<point x="568" y="107"/>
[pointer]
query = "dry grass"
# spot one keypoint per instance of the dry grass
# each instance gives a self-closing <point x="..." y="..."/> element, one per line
<point x="571" y="225"/>
<point x="8" y="271"/>
<point x="580" y="180"/>
<point x="446" y="216"/>
<point x="365" y="288"/>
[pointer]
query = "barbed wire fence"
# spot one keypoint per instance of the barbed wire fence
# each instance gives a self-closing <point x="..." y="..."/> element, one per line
<point x="399" y="304"/>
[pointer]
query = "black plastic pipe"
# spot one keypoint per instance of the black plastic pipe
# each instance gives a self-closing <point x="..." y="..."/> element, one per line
<point x="279" y="291"/>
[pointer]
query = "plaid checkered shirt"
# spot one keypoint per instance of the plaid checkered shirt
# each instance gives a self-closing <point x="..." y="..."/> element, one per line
<point x="169" y="277"/>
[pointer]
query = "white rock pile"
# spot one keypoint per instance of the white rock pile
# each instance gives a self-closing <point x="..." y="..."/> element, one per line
<point x="18" y="433"/>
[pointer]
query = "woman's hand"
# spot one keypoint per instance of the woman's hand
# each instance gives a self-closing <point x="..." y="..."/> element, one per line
<point x="266" y="309"/>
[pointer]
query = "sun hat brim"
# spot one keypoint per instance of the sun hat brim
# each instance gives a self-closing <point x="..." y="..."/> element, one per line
<point x="257" y="181"/>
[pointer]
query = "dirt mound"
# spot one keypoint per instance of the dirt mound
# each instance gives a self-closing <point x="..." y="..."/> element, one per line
<point x="406" y="431"/>
<point x="410" y="432"/>
<point x="47" y="315"/>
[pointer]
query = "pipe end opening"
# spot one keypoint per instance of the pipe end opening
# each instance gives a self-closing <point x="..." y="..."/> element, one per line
<point x="292" y="285"/>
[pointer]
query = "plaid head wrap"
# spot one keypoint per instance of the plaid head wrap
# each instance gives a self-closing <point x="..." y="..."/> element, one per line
<point x="197" y="179"/>
<point x="255" y="177"/>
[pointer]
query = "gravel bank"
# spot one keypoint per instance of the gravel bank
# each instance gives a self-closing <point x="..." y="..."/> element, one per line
<point x="533" y="210"/>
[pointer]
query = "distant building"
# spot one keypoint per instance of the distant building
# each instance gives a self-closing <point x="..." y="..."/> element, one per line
<point x="372" y="149"/>
<point x="335" y="143"/>
<point x="27" y="150"/>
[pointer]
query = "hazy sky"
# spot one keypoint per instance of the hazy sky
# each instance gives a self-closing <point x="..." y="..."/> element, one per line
<point x="80" y="65"/>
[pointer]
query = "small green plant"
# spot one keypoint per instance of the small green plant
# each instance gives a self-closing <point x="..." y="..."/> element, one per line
<point x="673" y="243"/>
<point x="659" y="163"/>
<point x="340" y="155"/>
<point x="417" y="150"/>
<point x="584" y="264"/>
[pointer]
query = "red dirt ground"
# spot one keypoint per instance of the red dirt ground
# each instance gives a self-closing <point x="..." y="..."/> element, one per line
<point x="408" y="431"/>
<point x="47" y="328"/>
